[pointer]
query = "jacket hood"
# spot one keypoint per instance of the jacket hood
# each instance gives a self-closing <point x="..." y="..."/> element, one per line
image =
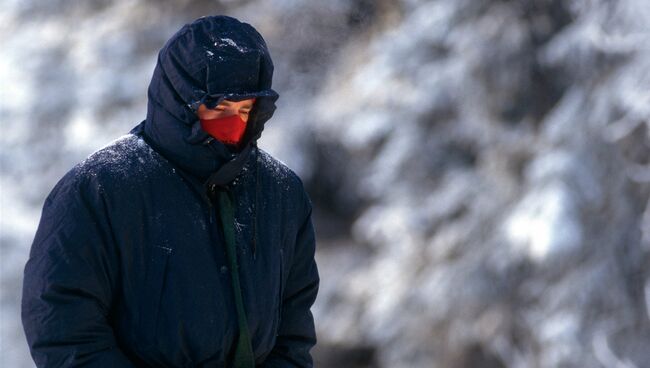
<point x="210" y="59"/>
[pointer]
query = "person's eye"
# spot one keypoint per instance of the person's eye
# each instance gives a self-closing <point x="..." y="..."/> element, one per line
<point x="245" y="112"/>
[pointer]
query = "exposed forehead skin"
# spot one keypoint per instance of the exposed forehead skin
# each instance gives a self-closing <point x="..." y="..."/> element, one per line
<point x="241" y="105"/>
<point x="231" y="102"/>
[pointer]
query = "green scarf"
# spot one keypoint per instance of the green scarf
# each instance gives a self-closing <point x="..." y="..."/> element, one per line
<point x="244" y="352"/>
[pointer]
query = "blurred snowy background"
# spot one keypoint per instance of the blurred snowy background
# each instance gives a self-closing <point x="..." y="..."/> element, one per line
<point x="480" y="168"/>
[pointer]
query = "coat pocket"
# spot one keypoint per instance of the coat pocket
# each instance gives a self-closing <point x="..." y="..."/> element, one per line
<point x="153" y="286"/>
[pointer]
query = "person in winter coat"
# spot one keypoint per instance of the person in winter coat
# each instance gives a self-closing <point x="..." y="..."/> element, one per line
<point x="180" y="244"/>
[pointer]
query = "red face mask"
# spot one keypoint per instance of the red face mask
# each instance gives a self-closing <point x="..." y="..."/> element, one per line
<point x="229" y="129"/>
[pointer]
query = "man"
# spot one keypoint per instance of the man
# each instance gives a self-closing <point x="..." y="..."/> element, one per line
<point x="181" y="244"/>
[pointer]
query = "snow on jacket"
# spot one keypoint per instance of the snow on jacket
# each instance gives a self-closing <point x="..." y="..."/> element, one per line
<point x="128" y="267"/>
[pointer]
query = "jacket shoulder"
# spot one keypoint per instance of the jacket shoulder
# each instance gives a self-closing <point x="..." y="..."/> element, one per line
<point x="278" y="171"/>
<point x="285" y="181"/>
<point x="127" y="159"/>
<point x="128" y="156"/>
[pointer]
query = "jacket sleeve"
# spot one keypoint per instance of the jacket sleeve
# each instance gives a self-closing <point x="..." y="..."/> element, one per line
<point x="69" y="281"/>
<point x="297" y="333"/>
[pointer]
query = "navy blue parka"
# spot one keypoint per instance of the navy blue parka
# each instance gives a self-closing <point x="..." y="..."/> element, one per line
<point x="128" y="268"/>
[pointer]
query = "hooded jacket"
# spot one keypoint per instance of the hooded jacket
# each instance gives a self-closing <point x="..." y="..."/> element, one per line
<point x="128" y="268"/>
